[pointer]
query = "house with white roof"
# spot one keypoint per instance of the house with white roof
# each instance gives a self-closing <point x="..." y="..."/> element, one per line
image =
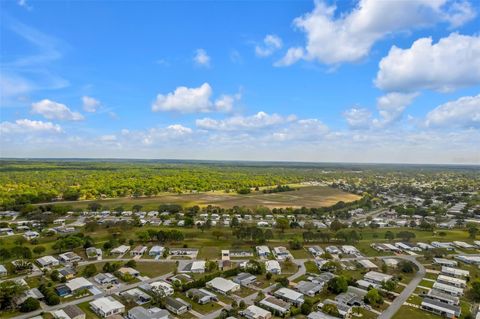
<point x="197" y="267"/>
<point x="377" y="277"/>
<point x="162" y="288"/>
<point x="463" y="245"/>
<point x="290" y="296"/>
<point x="138" y="251"/>
<point x="69" y="257"/>
<point x="367" y="264"/>
<point x="350" y="250"/>
<point x="263" y="251"/>
<point x="448" y="289"/>
<point x="391" y="262"/>
<point x="455" y="272"/>
<point x="277" y="305"/>
<point x="255" y="312"/>
<point x="156" y="251"/>
<point x="107" y="306"/>
<point x="3" y="271"/>
<point x="445" y="262"/>
<point x="120" y="250"/>
<point x="457" y="282"/>
<point x="316" y="251"/>
<point x="222" y="285"/>
<point x="281" y="253"/>
<point x="79" y="283"/>
<point x="440" y="308"/>
<point x="48" y="261"/>
<point x="273" y="266"/>
<point x="29" y="235"/>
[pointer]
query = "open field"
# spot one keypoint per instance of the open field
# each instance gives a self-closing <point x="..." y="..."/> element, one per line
<point x="309" y="196"/>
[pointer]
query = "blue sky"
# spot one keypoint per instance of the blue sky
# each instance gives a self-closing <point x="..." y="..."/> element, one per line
<point x="287" y="80"/>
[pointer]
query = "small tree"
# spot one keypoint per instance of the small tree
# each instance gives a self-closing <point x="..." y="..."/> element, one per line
<point x="30" y="304"/>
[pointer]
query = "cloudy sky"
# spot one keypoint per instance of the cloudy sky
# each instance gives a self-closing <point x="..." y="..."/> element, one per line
<point x="347" y="81"/>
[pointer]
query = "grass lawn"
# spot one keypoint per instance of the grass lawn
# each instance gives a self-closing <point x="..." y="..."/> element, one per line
<point x="416" y="300"/>
<point x="430" y="275"/>
<point x="155" y="269"/>
<point x="300" y="254"/>
<point x="10" y="314"/>
<point x="311" y="267"/>
<point x="244" y="291"/>
<point x="288" y="268"/>
<point x="209" y="253"/>
<point x="426" y="283"/>
<point x="89" y="314"/>
<point x="203" y="309"/>
<point x="363" y="313"/>
<point x="413" y="313"/>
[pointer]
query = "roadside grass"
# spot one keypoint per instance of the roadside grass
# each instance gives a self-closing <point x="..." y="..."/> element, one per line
<point x="363" y="313"/>
<point x="300" y="254"/>
<point x="413" y="313"/>
<point x="414" y="299"/>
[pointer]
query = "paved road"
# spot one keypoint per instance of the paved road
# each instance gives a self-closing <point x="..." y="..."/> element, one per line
<point x="407" y="291"/>
<point x="301" y="269"/>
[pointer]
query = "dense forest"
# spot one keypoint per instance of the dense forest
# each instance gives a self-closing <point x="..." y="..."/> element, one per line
<point x="38" y="181"/>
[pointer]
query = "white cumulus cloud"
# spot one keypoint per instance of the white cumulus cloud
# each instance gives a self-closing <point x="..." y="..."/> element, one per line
<point x="358" y="118"/>
<point x="193" y="100"/>
<point x="23" y="126"/>
<point x="392" y="105"/>
<point x="90" y="104"/>
<point x="54" y="110"/>
<point x="201" y="58"/>
<point x="333" y="38"/>
<point x="463" y="112"/>
<point x="451" y="63"/>
<point x="271" y="43"/>
<point x="256" y="121"/>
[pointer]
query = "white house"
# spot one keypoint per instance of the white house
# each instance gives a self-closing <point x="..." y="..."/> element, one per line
<point x="254" y="312"/>
<point x="120" y="250"/>
<point x="290" y="296"/>
<point x="222" y="285"/>
<point x="156" y="251"/>
<point x="263" y="251"/>
<point x="273" y="266"/>
<point x="107" y="306"/>
<point x="162" y="288"/>
<point x="48" y="261"/>
<point x="377" y="277"/>
<point x="445" y="262"/>
<point x="29" y="235"/>
<point x="69" y="257"/>
<point x="455" y="272"/>
<point x="138" y="251"/>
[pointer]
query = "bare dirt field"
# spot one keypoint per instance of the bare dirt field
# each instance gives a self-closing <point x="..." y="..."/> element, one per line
<point x="310" y="196"/>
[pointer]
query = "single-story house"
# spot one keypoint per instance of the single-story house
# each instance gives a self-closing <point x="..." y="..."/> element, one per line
<point x="391" y="262"/>
<point x="183" y="251"/>
<point x="3" y="271"/>
<point x="136" y="295"/>
<point x="120" y="250"/>
<point x="69" y="312"/>
<point x="197" y="266"/>
<point x="105" y="279"/>
<point x="281" y="253"/>
<point x="93" y="252"/>
<point x="377" y="277"/>
<point x="156" y="251"/>
<point x="273" y="267"/>
<point x="309" y="288"/>
<point x="29" y="235"/>
<point x="440" y="308"/>
<point x="255" y="312"/>
<point x="69" y="257"/>
<point x="48" y="261"/>
<point x="222" y="285"/>
<point x="107" y="306"/>
<point x="457" y="282"/>
<point x="67" y="273"/>
<point x="177" y="305"/>
<point x="62" y="290"/>
<point x="201" y="296"/>
<point x="448" y="289"/>
<point x="152" y="313"/>
<point x="316" y="251"/>
<point x="367" y="264"/>
<point x="244" y="278"/>
<point x="290" y="296"/>
<point x="162" y="288"/>
<point x="263" y="251"/>
<point x="445" y="262"/>
<point x="138" y="251"/>
<point x="79" y="283"/>
<point x="455" y="272"/>
<point x="276" y="305"/>
<point x="129" y="271"/>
